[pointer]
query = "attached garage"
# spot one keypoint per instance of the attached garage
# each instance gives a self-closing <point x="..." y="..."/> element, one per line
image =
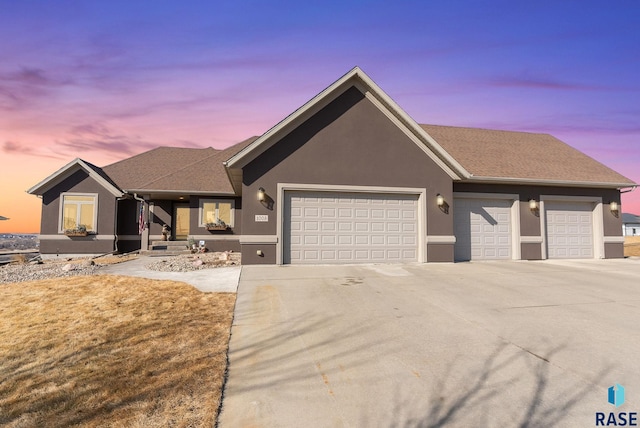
<point x="569" y="228"/>
<point x="483" y="229"/>
<point x="334" y="227"/>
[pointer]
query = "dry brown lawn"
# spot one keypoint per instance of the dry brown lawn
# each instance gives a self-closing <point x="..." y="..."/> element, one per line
<point x="631" y="246"/>
<point x="111" y="351"/>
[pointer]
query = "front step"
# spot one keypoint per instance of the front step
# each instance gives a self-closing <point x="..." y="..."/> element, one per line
<point x="168" y="248"/>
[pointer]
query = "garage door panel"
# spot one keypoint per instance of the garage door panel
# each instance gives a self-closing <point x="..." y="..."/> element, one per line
<point x="569" y="229"/>
<point x="482" y="229"/>
<point x="357" y="227"/>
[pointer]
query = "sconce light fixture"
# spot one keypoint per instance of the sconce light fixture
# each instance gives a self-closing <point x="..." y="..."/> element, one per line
<point x="440" y="200"/>
<point x="613" y="206"/>
<point x="533" y="205"/>
<point x="261" y="194"/>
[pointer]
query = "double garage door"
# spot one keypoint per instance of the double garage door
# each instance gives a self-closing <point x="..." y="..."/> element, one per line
<point x="484" y="229"/>
<point x="331" y="227"/>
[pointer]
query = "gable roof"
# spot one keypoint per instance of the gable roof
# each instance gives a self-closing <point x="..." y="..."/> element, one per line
<point x="466" y="154"/>
<point x="76" y="165"/>
<point x="630" y="218"/>
<point x="175" y="169"/>
<point x="358" y="78"/>
<point x="491" y="155"/>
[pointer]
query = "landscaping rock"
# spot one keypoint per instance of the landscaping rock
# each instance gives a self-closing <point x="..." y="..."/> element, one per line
<point x="186" y="262"/>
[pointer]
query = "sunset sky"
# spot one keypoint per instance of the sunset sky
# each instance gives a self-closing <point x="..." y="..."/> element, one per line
<point x="103" y="80"/>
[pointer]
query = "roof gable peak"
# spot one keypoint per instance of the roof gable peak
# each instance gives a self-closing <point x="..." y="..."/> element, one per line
<point x="357" y="78"/>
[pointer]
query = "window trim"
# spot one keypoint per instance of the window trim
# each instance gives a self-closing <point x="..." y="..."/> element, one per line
<point x="203" y="201"/>
<point x="61" y="228"/>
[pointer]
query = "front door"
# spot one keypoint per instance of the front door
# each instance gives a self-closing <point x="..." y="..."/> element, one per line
<point x="180" y="221"/>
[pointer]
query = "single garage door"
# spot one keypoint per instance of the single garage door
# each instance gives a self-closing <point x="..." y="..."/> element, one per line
<point x="569" y="230"/>
<point x="482" y="228"/>
<point x="331" y="227"/>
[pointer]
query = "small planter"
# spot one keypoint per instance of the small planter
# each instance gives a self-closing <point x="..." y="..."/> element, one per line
<point x="213" y="228"/>
<point x="76" y="234"/>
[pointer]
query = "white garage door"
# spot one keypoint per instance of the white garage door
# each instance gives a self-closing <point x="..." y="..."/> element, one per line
<point x="328" y="227"/>
<point x="482" y="228"/>
<point x="569" y="230"/>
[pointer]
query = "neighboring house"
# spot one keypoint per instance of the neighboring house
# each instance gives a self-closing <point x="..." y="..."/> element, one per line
<point x="630" y="225"/>
<point x="349" y="177"/>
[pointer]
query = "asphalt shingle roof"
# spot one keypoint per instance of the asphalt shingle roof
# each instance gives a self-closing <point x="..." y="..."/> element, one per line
<point x="520" y="155"/>
<point x="175" y="169"/>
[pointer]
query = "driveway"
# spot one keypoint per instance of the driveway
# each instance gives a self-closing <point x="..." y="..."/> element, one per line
<point x="533" y="344"/>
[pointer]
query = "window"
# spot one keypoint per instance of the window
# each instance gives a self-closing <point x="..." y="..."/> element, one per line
<point x="78" y="210"/>
<point x="213" y="209"/>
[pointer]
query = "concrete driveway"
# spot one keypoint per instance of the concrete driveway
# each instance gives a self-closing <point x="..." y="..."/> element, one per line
<point x="530" y="344"/>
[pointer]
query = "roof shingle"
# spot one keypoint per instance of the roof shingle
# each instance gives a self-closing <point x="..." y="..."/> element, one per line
<point x="175" y="169"/>
<point x="520" y="155"/>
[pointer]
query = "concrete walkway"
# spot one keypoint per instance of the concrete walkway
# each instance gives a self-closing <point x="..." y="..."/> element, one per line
<point x="522" y="344"/>
<point x="223" y="279"/>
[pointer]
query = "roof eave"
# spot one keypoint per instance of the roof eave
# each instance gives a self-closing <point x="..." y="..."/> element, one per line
<point x="375" y="94"/>
<point x="66" y="171"/>
<point x="179" y="192"/>
<point x="543" y="182"/>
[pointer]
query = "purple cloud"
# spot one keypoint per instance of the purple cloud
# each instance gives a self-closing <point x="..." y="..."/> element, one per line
<point x="22" y="87"/>
<point x="13" y="147"/>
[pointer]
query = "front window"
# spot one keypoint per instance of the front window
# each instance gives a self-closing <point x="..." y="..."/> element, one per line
<point x="212" y="210"/>
<point x="78" y="212"/>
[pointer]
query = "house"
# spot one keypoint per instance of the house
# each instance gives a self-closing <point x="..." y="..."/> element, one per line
<point x="630" y="225"/>
<point x="349" y="177"/>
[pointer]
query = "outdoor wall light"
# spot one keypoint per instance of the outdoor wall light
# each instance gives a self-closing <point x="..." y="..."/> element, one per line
<point x="613" y="206"/>
<point x="533" y="205"/>
<point x="261" y="195"/>
<point x="440" y="200"/>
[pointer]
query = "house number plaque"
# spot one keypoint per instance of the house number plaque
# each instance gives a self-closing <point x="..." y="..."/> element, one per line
<point x="262" y="218"/>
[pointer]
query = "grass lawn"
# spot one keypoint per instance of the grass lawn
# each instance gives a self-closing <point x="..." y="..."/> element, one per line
<point x="631" y="246"/>
<point x="111" y="351"/>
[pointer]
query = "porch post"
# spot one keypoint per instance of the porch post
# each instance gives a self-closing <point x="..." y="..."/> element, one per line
<point x="144" y="238"/>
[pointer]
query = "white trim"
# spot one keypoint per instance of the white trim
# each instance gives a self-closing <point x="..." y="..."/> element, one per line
<point x="66" y="171"/>
<point x="531" y="240"/>
<point x="440" y="239"/>
<point x="411" y="134"/>
<point x="61" y="197"/>
<point x="597" y="220"/>
<point x="614" y="239"/>
<point x="420" y="193"/>
<point x="516" y="250"/>
<point x="543" y="182"/>
<point x="156" y="192"/>
<point x="259" y="239"/>
<point x="355" y="77"/>
<point x="89" y="237"/>
<point x="216" y="201"/>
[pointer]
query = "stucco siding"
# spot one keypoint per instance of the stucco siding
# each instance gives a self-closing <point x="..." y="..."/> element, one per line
<point x="78" y="182"/>
<point x="531" y="222"/>
<point x="349" y="142"/>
